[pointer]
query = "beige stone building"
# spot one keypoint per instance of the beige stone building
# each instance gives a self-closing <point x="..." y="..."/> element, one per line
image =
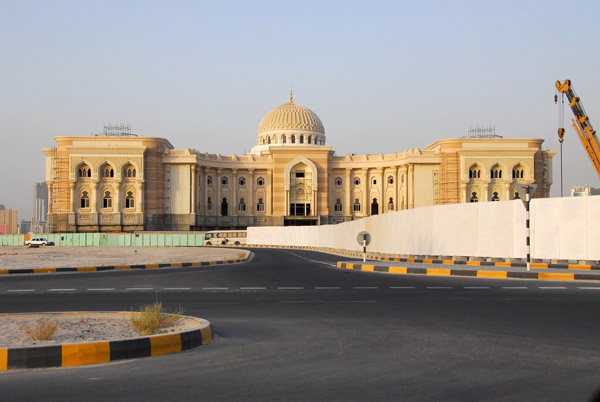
<point x="291" y="177"/>
<point x="8" y="221"/>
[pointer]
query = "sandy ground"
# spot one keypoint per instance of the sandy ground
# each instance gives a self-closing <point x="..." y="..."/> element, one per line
<point x="74" y="328"/>
<point x="15" y="257"/>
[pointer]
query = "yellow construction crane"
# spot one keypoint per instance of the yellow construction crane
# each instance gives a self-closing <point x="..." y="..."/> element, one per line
<point x="581" y="123"/>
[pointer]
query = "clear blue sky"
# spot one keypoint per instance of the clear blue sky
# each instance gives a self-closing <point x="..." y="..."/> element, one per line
<point x="383" y="76"/>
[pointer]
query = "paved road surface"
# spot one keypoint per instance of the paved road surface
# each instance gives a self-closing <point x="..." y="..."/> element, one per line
<point x="288" y="326"/>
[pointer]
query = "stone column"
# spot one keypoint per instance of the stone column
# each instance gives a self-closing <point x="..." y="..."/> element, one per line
<point x="269" y="180"/>
<point x="396" y="179"/>
<point x="234" y="177"/>
<point x="250" y="201"/>
<point x="411" y="191"/>
<point x="364" y="185"/>
<point x="218" y="195"/>
<point x="382" y="193"/>
<point x="347" y="190"/>
<point x="117" y="208"/>
<point x="94" y="197"/>
<point x="193" y="190"/>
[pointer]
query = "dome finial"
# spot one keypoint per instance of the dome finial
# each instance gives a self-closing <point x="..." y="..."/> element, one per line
<point x="291" y="96"/>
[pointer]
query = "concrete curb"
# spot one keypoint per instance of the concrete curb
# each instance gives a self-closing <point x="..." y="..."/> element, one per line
<point x="75" y="354"/>
<point x="394" y="269"/>
<point x="122" y="267"/>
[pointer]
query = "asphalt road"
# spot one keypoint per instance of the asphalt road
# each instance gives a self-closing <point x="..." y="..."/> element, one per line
<point x="288" y="326"/>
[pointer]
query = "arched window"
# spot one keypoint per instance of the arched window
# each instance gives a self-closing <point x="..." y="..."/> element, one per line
<point x="268" y="139"/>
<point x="474" y="173"/>
<point x="293" y="139"/>
<point x="260" y="206"/>
<point x="108" y="173"/>
<point x="224" y="182"/>
<point x="309" y="139"/>
<point x="209" y="204"/>
<point x="517" y="173"/>
<point x="338" y="205"/>
<point x="356" y="181"/>
<point x="242" y="181"/>
<point x="85" y="200"/>
<point x="242" y="205"/>
<point x="260" y="181"/>
<point x="390" y="180"/>
<point x="517" y="196"/>
<point x="129" y="200"/>
<point x="374" y="207"/>
<point x="84" y="172"/>
<point x="356" y="206"/>
<point x="474" y="197"/>
<point x="301" y="138"/>
<point x="390" y="205"/>
<point x="224" y="207"/>
<point x="495" y="196"/>
<point x="130" y="172"/>
<point x="209" y="180"/>
<point x="283" y="139"/>
<point x="374" y="181"/>
<point x="338" y="181"/>
<point x="496" y="173"/>
<point x="107" y="200"/>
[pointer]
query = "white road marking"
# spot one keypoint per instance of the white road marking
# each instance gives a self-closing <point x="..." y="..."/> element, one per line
<point x="551" y="287"/>
<point x="308" y="259"/>
<point x="215" y="288"/>
<point x="439" y="287"/>
<point x="476" y="287"/>
<point x="589" y="288"/>
<point x="327" y="287"/>
<point x="402" y="287"/>
<point x="100" y="289"/>
<point x="290" y="288"/>
<point x="326" y="301"/>
<point x="365" y="287"/>
<point x="178" y="289"/>
<point x="253" y="288"/>
<point x="139" y="288"/>
<point x="61" y="290"/>
<point x="21" y="290"/>
<point x="514" y="287"/>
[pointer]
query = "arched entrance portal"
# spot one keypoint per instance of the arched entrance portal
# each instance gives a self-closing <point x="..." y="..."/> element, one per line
<point x="300" y="200"/>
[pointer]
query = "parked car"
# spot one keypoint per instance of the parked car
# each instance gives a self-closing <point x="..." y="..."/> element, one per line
<point x="39" y="241"/>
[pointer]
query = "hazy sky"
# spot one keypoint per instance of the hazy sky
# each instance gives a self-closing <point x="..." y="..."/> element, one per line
<point x="383" y="76"/>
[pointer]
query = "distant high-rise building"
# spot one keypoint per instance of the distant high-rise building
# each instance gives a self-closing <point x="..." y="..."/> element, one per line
<point x="40" y="207"/>
<point x="8" y="221"/>
<point x="25" y="227"/>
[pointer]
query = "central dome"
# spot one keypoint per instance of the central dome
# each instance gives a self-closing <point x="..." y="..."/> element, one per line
<point x="291" y="124"/>
<point x="291" y="116"/>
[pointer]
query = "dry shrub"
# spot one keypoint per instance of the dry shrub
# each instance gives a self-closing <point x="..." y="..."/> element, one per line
<point x="42" y="332"/>
<point x="151" y="319"/>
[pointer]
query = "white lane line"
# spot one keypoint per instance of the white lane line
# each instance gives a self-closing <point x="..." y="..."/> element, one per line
<point x="215" y="288"/>
<point x="439" y="287"/>
<point x="308" y="259"/>
<point x="325" y="301"/>
<point x="21" y="290"/>
<point x="139" y="288"/>
<point x="178" y="288"/>
<point x="253" y="288"/>
<point x="100" y="289"/>
<point x="61" y="290"/>
<point x="290" y="288"/>
<point x="476" y="287"/>
<point x="514" y="287"/>
<point x="551" y="287"/>
<point x="403" y="287"/>
<point x="589" y="288"/>
<point x="327" y="287"/>
<point x="365" y="287"/>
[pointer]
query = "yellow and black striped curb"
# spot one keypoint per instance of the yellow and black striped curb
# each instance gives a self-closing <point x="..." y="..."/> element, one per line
<point x="122" y="267"/>
<point x="76" y="354"/>
<point x="371" y="256"/>
<point x="393" y="269"/>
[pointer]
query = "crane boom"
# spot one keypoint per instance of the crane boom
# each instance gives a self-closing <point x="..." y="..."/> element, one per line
<point x="582" y="124"/>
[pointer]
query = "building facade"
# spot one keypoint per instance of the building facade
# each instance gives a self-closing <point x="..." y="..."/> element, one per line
<point x="8" y="221"/>
<point x="291" y="177"/>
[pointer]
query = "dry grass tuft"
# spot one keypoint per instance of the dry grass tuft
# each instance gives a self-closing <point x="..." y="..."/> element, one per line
<point x="151" y="319"/>
<point x="42" y="332"/>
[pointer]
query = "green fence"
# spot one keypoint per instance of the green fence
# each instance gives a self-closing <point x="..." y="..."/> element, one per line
<point x="140" y="239"/>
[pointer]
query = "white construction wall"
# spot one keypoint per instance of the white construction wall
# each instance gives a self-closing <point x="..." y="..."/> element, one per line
<point x="561" y="228"/>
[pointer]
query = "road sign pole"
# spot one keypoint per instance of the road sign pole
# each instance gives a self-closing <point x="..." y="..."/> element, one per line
<point x="365" y="249"/>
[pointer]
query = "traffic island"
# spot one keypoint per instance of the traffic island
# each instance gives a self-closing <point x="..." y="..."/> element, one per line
<point x="79" y="344"/>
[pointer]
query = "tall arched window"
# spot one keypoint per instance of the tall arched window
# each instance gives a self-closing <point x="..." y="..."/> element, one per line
<point x="374" y="207"/>
<point x="107" y="200"/>
<point x="242" y="205"/>
<point x="474" y="197"/>
<point x="338" y="205"/>
<point x="495" y="196"/>
<point x="209" y="180"/>
<point x="390" y="180"/>
<point x="242" y="181"/>
<point x="260" y="205"/>
<point x="224" y="207"/>
<point x="390" y="205"/>
<point x="129" y="200"/>
<point x="85" y="200"/>
<point x="260" y="181"/>
<point x="293" y="139"/>
<point x="356" y="181"/>
<point x="338" y="181"/>
<point x="356" y="206"/>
